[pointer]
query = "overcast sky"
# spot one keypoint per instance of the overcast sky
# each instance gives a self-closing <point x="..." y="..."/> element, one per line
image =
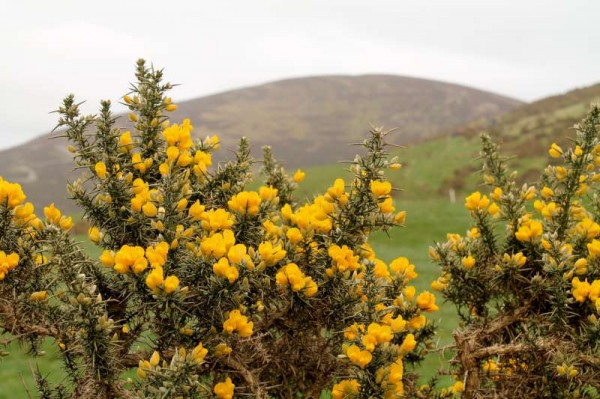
<point x="525" y="49"/>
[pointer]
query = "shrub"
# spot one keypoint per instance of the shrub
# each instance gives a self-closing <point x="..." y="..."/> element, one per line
<point x="526" y="277"/>
<point x="205" y="287"/>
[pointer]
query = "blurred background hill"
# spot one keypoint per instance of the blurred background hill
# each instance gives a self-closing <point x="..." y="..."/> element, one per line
<point x="309" y="122"/>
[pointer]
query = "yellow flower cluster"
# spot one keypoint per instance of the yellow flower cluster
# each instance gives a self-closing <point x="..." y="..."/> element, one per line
<point x="426" y="302"/>
<point x="11" y="194"/>
<point x="381" y="188"/>
<point x="224" y="389"/>
<point x="565" y="370"/>
<point x="529" y="230"/>
<point x="129" y="258"/>
<point x="390" y="380"/>
<point x="179" y="141"/>
<point x="238" y="255"/>
<point x="217" y="219"/>
<point x="402" y="266"/>
<point x="136" y="259"/>
<point x="343" y="259"/>
<point x="245" y="203"/>
<point x="476" y="201"/>
<point x="270" y="254"/>
<point x="299" y="176"/>
<point x="218" y="244"/>
<point x="583" y="290"/>
<point x="139" y="164"/>
<point x="376" y="334"/>
<point x="100" y="169"/>
<point x="311" y="218"/>
<point x="223" y="269"/>
<point x="238" y="322"/>
<point x="357" y="356"/>
<point x="25" y="214"/>
<point x="336" y="193"/>
<point x="53" y="216"/>
<point x="195" y="357"/>
<point x="291" y="275"/>
<point x="382" y="335"/>
<point x="345" y="389"/>
<point x="145" y="198"/>
<point x="125" y="142"/>
<point x="7" y="263"/>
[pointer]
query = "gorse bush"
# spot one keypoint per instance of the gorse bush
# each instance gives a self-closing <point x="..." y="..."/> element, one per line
<point x="526" y="277"/>
<point x="204" y="288"/>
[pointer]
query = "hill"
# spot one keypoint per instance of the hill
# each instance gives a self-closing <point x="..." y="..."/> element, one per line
<point x="307" y="121"/>
<point x="449" y="162"/>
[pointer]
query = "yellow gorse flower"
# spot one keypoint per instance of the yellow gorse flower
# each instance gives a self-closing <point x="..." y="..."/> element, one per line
<point x="357" y="356"/>
<point x="291" y="275"/>
<point x="218" y="244"/>
<point x="343" y="258"/>
<point x="224" y="390"/>
<point x="588" y="228"/>
<point x="381" y="188"/>
<point x="555" y="151"/>
<point x="402" y="266"/>
<point x="52" y="214"/>
<point x="24" y="212"/>
<point x="529" y="230"/>
<point x="217" y="219"/>
<point x="94" y="234"/>
<point x="294" y="235"/>
<point x="8" y="262"/>
<point x="130" y="258"/>
<point x="582" y="290"/>
<point x="223" y="269"/>
<point x="199" y="353"/>
<point x="39" y="296"/>
<point x="245" y="203"/>
<point x="352" y="332"/>
<point x="157" y="254"/>
<point x="100" y="169"/>
<point x="337" y="190"/>
<point x="345" y="389"/>
<point x="267" y="193"/>
<point x="408" y="344"/>
<point x="171" y="284"/>
<point x="299" y="176"/>
<point x="238" y="322"/>
<point x="477" y="202"/>
<point x="377" y="334"/>
<point x="125" y="142"/>
<point x="11" y="194"/>
<point x="222" y="350"/>
<point x="155" y="279"/>
<point x="426" y="302"/>
<point x="271" y="254"/>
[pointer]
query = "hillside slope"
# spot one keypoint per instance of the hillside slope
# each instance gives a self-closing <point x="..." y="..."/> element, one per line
<point x="450" y="162"/>
<point x="527" y="131"/>
<point x="308" y="121"/>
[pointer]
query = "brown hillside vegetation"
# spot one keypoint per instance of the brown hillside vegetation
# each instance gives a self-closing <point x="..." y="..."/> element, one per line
<point x="308" y="121"/>
<point x="528" y="130"/>
<point x="449" y="162"/>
